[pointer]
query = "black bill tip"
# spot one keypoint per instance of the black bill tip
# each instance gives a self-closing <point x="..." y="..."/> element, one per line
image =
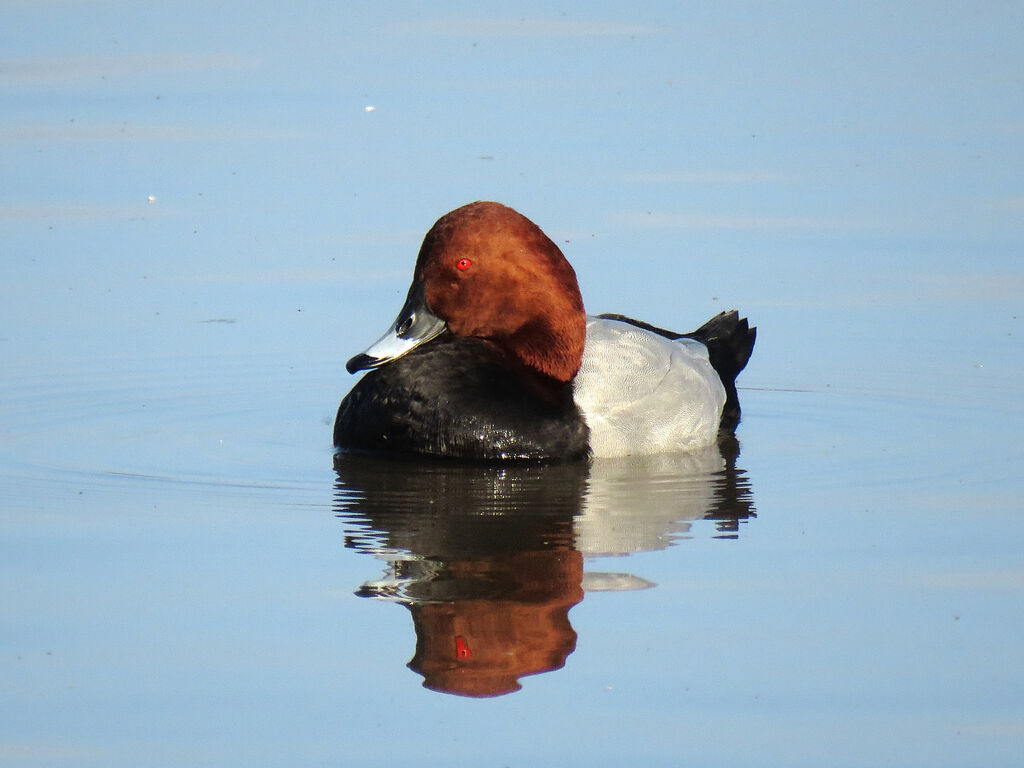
<point x="361" y="362"/>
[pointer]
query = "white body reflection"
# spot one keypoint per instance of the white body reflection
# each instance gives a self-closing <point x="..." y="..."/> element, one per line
<point x="643" y="503"/>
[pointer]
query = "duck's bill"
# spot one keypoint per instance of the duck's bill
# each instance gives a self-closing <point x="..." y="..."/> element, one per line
<point x="415" y="325"/>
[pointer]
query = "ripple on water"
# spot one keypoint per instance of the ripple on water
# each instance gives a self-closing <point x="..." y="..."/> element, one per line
<point x="212" y="425"/>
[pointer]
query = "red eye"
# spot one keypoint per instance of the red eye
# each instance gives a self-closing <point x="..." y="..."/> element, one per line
<point x="463" y="264"/>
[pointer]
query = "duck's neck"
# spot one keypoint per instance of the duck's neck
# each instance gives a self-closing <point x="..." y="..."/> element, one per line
<point x="553" y="347"/>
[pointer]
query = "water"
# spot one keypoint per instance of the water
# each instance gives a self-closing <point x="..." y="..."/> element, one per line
<point x="202" y="219"/>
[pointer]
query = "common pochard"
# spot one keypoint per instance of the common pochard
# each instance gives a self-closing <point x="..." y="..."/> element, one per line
<point x="493" y="357"/>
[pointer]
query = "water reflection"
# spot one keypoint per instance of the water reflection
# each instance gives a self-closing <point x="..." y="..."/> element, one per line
<point x="489" y="558"/>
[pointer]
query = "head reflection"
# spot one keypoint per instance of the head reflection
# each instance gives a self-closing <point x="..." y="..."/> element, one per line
<point x="489" y="558"/>
<point x="482" y="646"/>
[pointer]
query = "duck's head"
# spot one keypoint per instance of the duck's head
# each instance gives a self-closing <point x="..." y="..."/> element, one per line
<point x="486" y="271"/>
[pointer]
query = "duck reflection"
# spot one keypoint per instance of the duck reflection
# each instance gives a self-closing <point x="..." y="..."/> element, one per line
<point x="489" y="558"/>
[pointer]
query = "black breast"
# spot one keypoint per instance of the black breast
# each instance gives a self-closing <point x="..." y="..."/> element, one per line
<point x="461" y="398"/>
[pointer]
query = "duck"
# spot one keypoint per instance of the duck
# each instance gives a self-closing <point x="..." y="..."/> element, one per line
<point x="493" y="357"/>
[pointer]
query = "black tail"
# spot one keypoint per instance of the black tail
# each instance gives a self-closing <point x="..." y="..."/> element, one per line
<point x="729" y="340"/>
